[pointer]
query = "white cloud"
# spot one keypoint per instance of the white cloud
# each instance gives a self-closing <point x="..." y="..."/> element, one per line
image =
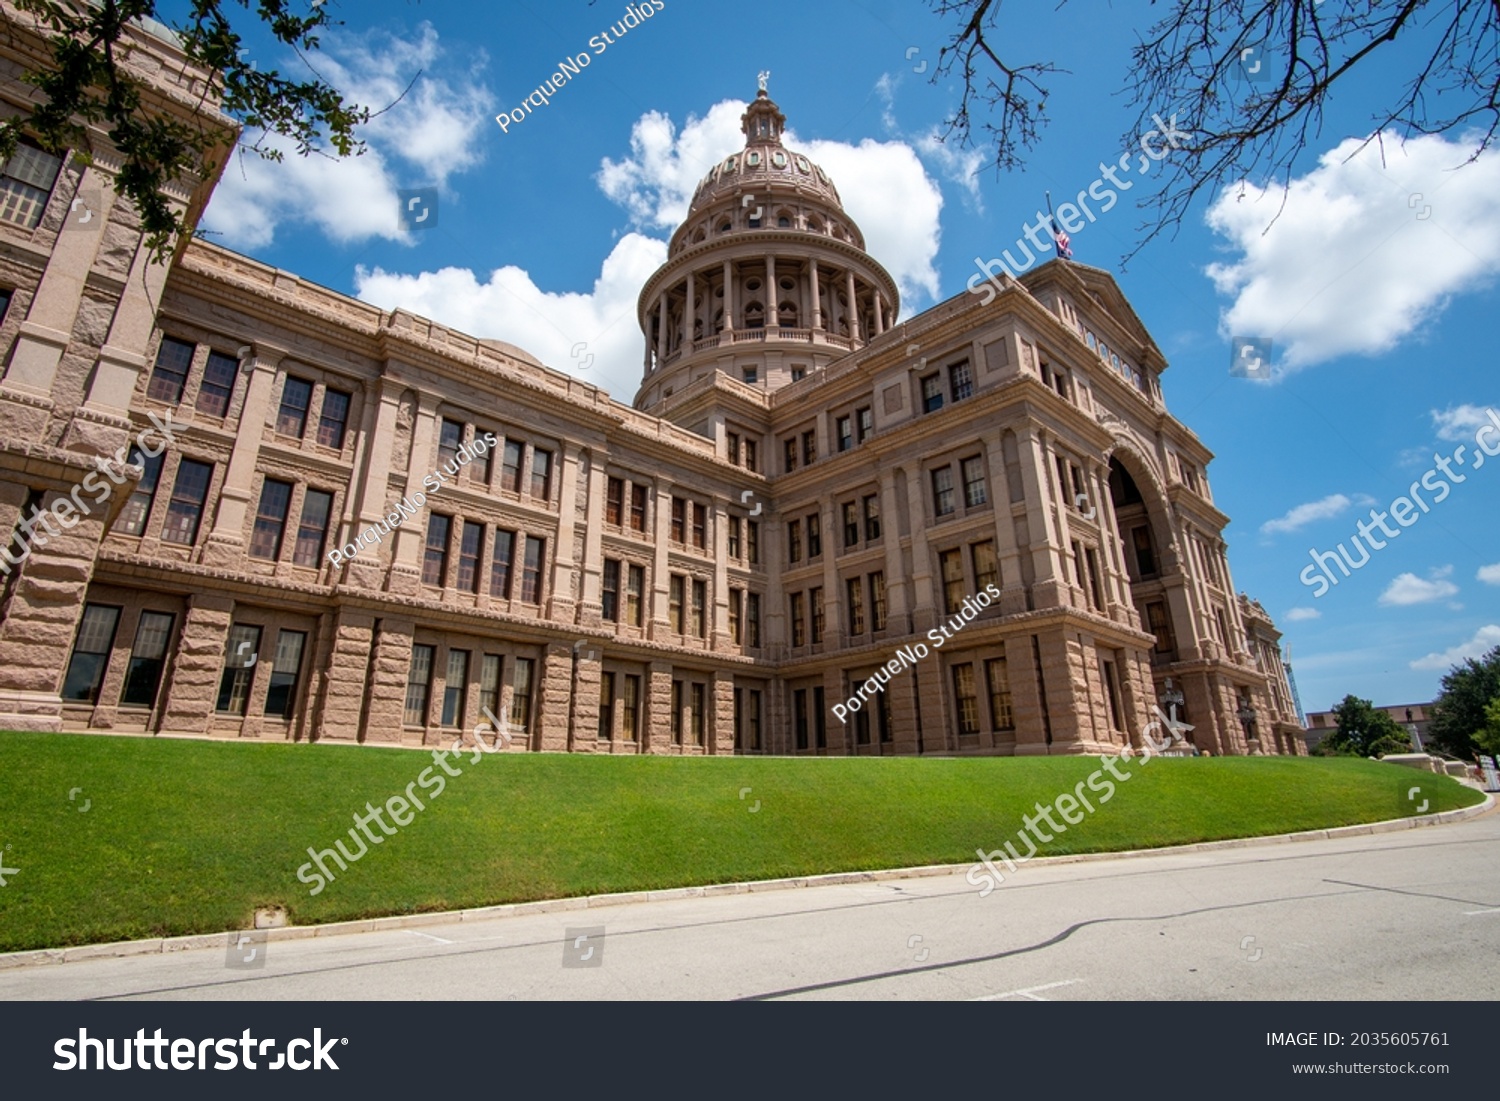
<point x="1299" y="615"/>
<point x="883" y="186"/>
<point x="957" y="165"/>
<point x="428" y="136"/>
<point x="1460" y="422"/>
<point x="510" y="306"/>
<point x="1483" y="641"/>
<point x="1490" y="575"/>
<point x="1303" y="515"/>
<point x="1408" y="588"/>
<point x="1386" y="244"/>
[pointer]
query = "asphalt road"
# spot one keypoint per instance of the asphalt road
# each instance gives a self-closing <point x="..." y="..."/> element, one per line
<point x="1409" y="915"/>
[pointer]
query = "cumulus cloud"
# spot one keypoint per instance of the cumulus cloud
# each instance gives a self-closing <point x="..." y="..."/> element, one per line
<point x="1388" y="244"/>
<point x="1308" y="513"/>
<point x="1459" y="422"/>
<point x="428" y="136"/>
<point x="1299" y="615"/>
<point x="956" y="165"/>
<point x="883" y="186"/>
<point x="510" y="306"/>
<point x="1490" y="575"/>
<point x="1408" y="588"/>
<point x="1483" y="641"/>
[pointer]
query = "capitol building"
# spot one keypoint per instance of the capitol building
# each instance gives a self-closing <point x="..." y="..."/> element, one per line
<point x="209" y="472"/>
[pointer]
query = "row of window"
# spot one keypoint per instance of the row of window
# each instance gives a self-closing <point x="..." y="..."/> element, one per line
<point x="506" y="548"/>
<point x="966" y="698"/>
<point x="960" y="386"/>
<point x="944" y="494"/>
<point x="744" y="453"/>
<point x="511" y="456"/>
<point x="951" y="569"/>
<point x="26" y="180"/>
<point x="455" y="699"/>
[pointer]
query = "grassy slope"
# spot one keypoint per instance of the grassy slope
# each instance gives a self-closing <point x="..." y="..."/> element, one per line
<point x="185" y="837"/>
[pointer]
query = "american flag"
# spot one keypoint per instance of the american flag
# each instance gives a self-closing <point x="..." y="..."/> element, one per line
<point x="1061" y="240"/>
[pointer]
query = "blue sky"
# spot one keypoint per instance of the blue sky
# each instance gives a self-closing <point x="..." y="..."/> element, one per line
<point x="1379" y="303"/>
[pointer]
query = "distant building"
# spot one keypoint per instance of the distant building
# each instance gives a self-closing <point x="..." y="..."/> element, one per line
<point x="1320" y="724"/>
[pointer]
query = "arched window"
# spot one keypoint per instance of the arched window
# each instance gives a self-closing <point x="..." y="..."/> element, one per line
<point x="755" y="316"/>
<point x="783" y="222"/>
<point x="718" y="321"/>
<point x="787" y="315"/>
<point x="725" y="227"/>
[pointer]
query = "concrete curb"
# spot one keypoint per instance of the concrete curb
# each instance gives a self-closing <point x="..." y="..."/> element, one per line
<point x="159" y="945"/>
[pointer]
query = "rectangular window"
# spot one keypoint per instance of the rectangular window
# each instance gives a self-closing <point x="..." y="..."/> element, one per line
<point x="675" y="587"/>
<point x="700" y="526"/>
<point x="147" y="657"/>
<point x="998" y="682"/>
<point x="815" y="604"/>
<point x="753" y="720"/>
<point x="749" y="375"/>
<point x="635" y="585"/>
<point x="951" y="564"/>
<point x="960" y="381"/>
<point x="26" y="181"/>
<point x="435" y="559"/>
<point x="96" y="638"/>
<point x="1160" y="625"/>
<point x="860" y="721"/>
<point x="700" y="598"/>
<point x="809" y="447"/>
<point x="614" y="501"/>
<point x="736" y="602"/>
<point x="820" y="718"/>
<point x="630" y="719"/>
<point x="490" y="669"/>
<point x="942" y="491"/>
<point x="312" y="532"/>
<point x="789" y="454"/>
<point x="986" y="566"/>
<point x="218" y="384"/>
<point x="794" y="540"/>
<point x="610" y="596"/>
<point x="169" y="376"/>
<point x="679" y="520"/>
<point x="137" y="510"/>
<point x="752" y="619"/>
<point x="450" y="439"/>
<point x="799" y="623"/>
<point x="541" y="474"/>
<point x="470" y="546"/>
<point x="872" y="518"/>
<point x="606" y="706"/>
<point x="965" y="700"/>
<point x="677" y="712"/>
<point x="419" y="684"/>
<point x="456" y="688"/>
<point x="333" y="422"/>
<point x="296" y="399"/>
<point x="851" y="524"/>
<point x="699" y="712"/>
<point x="735" y="526"/>
<point x="531" y="570"/>
<point x="502" y="562"/>
<point x="270" y="519"/>
<point x="185" y="509"/>
<point x="1145" y="552"/>
<point x="799" y="713"/>
<point x="814" y="535"/>
<point x="855" y="595"/>
<point x="286" y="670"/>
<point x="1222" y="627"/>
<point x="752" y="459"/>
<point x="864" y="421"/>
<point x="1111" y="692"/>
<point x="241" y="647"/>
<point x="974" y="491"/>
<point x="1092" y="557"/>
<point x="732" y="447"/>
<point x="932" y="394"/>
<point x="520" y="697"/>
<point x="877" y="600"/>
<point x="845" y="432"/>
<point x="752" y="541"/>
<point x="637" y="507"/>
<point x="510" y="466"/>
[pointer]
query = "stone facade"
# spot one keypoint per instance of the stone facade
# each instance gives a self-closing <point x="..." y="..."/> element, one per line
<point x="804" y="490"/>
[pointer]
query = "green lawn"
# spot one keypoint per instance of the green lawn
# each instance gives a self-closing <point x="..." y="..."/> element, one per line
<point x="188" y="836"/>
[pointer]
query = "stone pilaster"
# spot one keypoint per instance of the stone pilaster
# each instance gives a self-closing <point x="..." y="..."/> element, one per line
<point x="192" y="691"/>
<point x="225" y="545"/>
<point x="721" y="714"/>
<point x="554" y="687"/>
<point x="390" y="669"/>
<point x="342" y="686"/>
<point x="656" y="735"/>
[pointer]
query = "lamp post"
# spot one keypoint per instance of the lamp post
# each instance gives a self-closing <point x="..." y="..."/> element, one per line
<point x="1246" y="715"/>
<point x="1171" y="699"/>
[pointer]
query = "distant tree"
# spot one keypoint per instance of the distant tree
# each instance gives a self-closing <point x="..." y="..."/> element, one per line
<point x="89" y="81"/>
<point x="1487" y="737"/>
<point x="1249" y="80"/>
<point x="1364" y="731"/>
<point x="1459" y="711"/>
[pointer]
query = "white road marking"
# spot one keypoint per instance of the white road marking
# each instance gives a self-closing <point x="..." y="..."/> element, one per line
<point x="429" y="936"/>
<point x="1029" y="992"/>
<point x="1471" y="913"/>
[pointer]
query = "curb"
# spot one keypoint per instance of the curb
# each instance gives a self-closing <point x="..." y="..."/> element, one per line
<point x="161" y="945"/>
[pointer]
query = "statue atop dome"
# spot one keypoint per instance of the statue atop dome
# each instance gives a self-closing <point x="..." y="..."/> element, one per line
<point x="764" y="76"/>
